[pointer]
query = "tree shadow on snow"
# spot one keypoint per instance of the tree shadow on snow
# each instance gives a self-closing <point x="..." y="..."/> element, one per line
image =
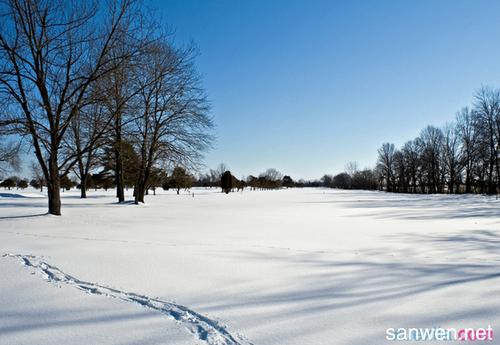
<point x="24" y="216"/>
<point x="47" y="317"/>
<point x="385" y="278"/>
<point x="416" y="206"/>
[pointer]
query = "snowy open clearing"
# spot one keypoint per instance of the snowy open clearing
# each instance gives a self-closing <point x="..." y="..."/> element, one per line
<point x="298" y="266"/>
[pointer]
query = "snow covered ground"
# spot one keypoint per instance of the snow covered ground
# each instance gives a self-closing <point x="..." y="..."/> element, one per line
<point x="298" y="266"/>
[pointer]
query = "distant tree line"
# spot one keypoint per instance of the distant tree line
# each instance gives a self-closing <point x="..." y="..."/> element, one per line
<point x="461" y="157"/>
<point x="178" y="178"/>
<point x="223" y="178"/>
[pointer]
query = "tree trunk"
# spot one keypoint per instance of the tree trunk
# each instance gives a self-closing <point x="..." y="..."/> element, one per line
<point x="54" y="188"/>
<point x="491" y="188"/>
<point x="83" y="179"/>
<point x="451" y="184"/>
<point x="467" y="181"/>
<point x="54" y="200"/>
<point x="120" y="194"/>
<point x="139" y="193"/>
<point x="83" y="187"/>
<point x="144" y="173"/>
<point x="490" y="179"/>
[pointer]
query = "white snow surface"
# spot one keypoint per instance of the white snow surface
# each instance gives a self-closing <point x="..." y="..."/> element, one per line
<point x="299" y="266"/>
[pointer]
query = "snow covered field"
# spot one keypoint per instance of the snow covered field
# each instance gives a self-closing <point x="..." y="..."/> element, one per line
<point x="298" y="266"/>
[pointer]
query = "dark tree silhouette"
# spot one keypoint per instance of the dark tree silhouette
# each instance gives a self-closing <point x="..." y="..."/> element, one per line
<point x="179" y="179"/>
<point x="342" y="181"/>
<point x="226" y="182"/>
<point x="287" y="181"/>
<point x="22" y="184"/>
<point x="8" y="183"/>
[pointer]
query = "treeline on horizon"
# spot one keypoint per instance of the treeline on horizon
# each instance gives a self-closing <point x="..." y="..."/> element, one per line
<point x="179" y="178"/>
<point x="461" y="157"/>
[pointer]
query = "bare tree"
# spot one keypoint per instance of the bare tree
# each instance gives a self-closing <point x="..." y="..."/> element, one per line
<point x="119" y="92"/>
<point x="273" y="174"/>
<point x="173" y="124"/>
<point x="466" y="130"/>
<point x="218" y="172"/>
<point x="270" y="179"/>
<point x="87" y="131"/>
<point x="9" y="156"/>
<point x="351" y="168"/>
<point x="385" y="164"/>
<point x="487" y="110"/>
<point x="451" y="157"/>
<point x="412" y="160"/>
<point x="51" y="53"/>
<point x="431" y="143"/>
<point x="400" y="172"/>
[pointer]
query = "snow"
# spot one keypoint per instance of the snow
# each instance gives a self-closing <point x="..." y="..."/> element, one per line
<point x="34" y="312"/>
<point x="298" y="266"/>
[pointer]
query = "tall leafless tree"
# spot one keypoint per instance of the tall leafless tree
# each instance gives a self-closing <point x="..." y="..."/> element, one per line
<point x="385" y="164"/>
<point x="51" y="53"/>
<point x="487" y="110"/>
<point x="411" y="160"/>
<point x="87" y="130"/>
<point x="173" y="121"/>
<point x="466" y="130"/>
<point x="451" y="157"/>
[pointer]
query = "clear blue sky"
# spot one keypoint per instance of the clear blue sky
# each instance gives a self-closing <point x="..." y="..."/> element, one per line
<point x="306" y="86"/>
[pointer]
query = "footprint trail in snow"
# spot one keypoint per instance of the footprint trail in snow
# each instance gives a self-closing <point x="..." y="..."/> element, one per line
<point x="204" y="328"/>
